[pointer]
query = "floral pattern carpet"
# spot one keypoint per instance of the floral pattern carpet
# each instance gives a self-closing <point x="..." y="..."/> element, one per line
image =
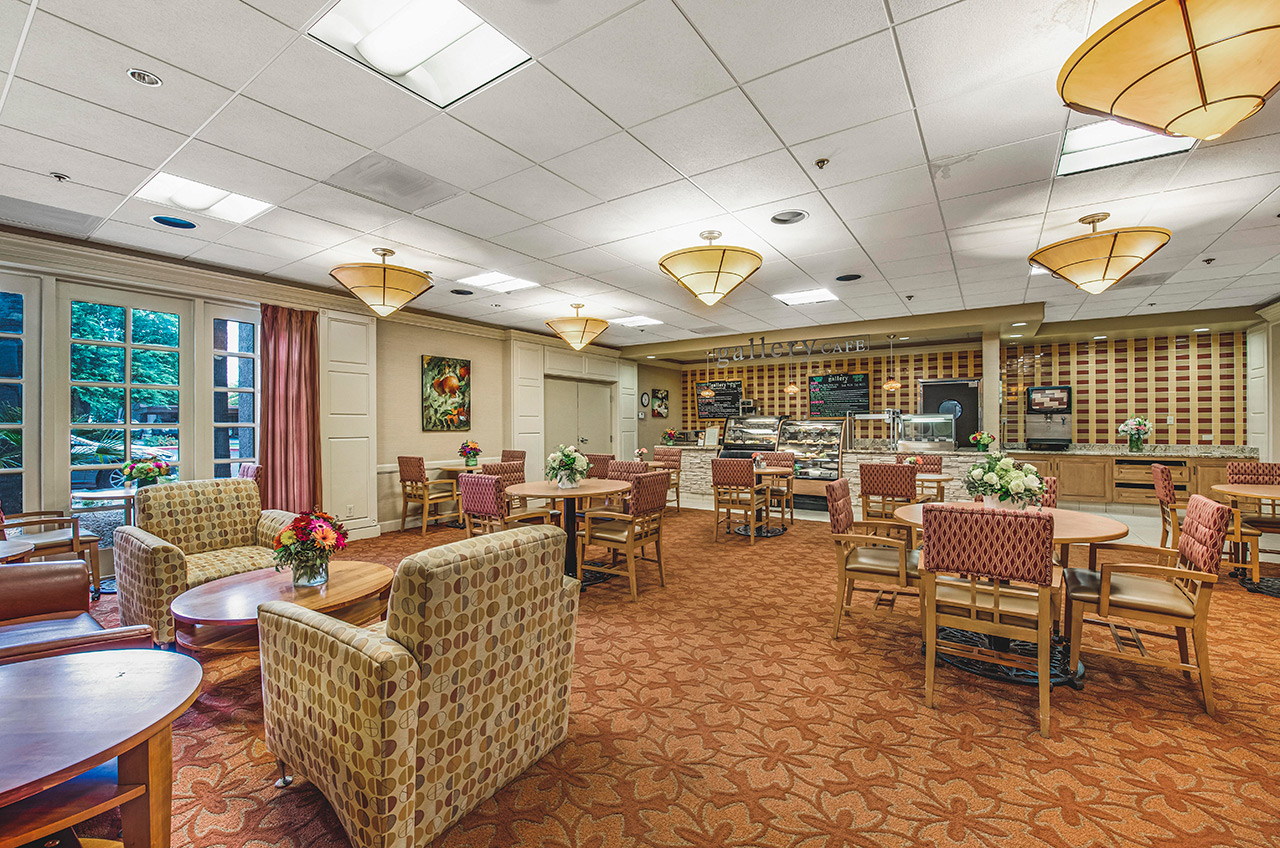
<point x="718" y="713"/>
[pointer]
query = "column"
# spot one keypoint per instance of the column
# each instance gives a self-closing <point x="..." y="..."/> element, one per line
<point x="991" y="361"/>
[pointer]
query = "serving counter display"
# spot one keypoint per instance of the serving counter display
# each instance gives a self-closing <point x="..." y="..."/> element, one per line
<point x="817" y="446"/>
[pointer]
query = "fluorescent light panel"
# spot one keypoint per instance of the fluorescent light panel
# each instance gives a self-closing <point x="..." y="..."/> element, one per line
<point x="191" y="196"/>
<point x="438" y="49"/>
<point x="1106" y="143"/>
<point x="637" y="321"/>
<point x="494" y="281"/>
<point x="801" y="298"/>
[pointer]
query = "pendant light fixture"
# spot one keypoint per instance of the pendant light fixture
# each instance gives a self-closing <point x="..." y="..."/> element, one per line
<point x="578" y="330"/>
<point x="707" y="392"/>
<point x="1097" y="261"/>
<point x="1178" y="67"/>
<point x="709" y="272"/>
<point x="384" y="288"/>
<point x="891" y="384"/>
<point x="792" y="388"/>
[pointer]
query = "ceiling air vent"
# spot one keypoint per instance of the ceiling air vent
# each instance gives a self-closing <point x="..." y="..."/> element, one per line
<point x="709" y="331"/>
<point x="37" y="216"/>
<point x="382" y="179"/>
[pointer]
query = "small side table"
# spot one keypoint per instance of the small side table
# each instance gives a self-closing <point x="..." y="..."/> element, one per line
<point x="15" y="550"/>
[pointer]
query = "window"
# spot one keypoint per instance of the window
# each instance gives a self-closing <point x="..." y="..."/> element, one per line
<point x="12" y="373"/>
<point x="235" y="396"/>
<point x="124" y="391"/>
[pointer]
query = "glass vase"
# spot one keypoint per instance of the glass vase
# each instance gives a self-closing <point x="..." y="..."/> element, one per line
<point x="1135" y="443"/>
<point x="471" y="461"/>
<point x="990" y="502"/>
<point x="565" y="480"/>
<point x="311" y="572"/>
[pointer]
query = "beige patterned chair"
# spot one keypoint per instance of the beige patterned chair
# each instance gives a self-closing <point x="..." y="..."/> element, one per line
<point x="407" y="726"/>
<point x="188" y="534"/>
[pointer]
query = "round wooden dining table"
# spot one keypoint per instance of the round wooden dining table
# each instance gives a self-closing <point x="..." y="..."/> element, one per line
<point x="937" y="480"/>
<point x="1248" y="491"/>
<point x="773" y="473"/>
<point x="590" y="487"/>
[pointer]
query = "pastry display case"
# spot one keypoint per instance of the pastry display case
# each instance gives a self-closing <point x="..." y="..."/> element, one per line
<point x="929" y="432"/>
<point x="817" y="445"/>
<point x="750" y="433"/>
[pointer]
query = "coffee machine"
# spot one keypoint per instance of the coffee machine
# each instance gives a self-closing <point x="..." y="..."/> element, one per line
<point x="1048" y="418"/>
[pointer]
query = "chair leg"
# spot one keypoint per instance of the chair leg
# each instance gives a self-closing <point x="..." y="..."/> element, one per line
<point x="1255" y="558"/>
<point x="657" y="553"/>
<point x="1042" y="674"/>
<point x="1201" y="639"/>
<point x="95" y="572"/>
<point x="285" y="780"/>
<point x="842" y="581"/>
<point x="1076" y="618"/>
<point x="631" y="572"/>
<point x="404" y="510"/>
<point x="1180" y="633"/>
<point x="930" y="652"/>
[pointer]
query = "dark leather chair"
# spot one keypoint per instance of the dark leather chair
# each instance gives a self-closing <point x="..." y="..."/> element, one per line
<point x="44" y="612"/>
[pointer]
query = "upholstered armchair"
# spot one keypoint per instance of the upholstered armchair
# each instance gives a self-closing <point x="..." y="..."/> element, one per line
<point x="188" y="534"/>
<point x="409" y="725"/>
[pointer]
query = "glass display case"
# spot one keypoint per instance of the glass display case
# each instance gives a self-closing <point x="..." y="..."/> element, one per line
<point x="751" y="433"/>
<point x="817" y="446"/>
<point x="928" y="432"/>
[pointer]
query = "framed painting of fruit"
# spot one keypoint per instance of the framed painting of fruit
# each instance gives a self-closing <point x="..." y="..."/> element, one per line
<point x="446" y="393"/>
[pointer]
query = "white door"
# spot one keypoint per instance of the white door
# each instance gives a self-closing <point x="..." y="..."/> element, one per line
<point x="595" y="418"/>
<point x="19" y="394"/>
<point x="560" y="402"/>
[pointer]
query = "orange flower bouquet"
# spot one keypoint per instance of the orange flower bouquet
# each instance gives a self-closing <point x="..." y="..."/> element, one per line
<point x="307" y="545"/>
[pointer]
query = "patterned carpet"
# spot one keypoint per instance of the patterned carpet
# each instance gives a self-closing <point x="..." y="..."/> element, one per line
<point x="718" y="713"/>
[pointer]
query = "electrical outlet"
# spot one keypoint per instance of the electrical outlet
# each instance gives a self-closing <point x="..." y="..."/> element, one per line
<point x="351" y="510"/>
<point x="1168" y="419"/>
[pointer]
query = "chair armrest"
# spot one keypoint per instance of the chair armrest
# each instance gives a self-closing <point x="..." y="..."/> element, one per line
<point x="116" y="638"/>
<point x="270" y="523"/>
<point x="1128" y="548"/>
<point x="72" y="521"/>
<point x="859" y="539"/>
<point x="150" y="573"/>
<point x="450" y="485"/>
<point x="319" y="672"/>
<point x="1164" y="572"/>
<point x="28" y="589"/>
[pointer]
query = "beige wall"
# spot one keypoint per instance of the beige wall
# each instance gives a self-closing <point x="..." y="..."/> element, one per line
<point x="400" y="351"/>
<point x="652" y="377"/>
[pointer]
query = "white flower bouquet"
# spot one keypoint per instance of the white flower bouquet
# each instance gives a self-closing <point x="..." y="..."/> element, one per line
<point x="1006" y="479"/>
<point x="566" y="466"/>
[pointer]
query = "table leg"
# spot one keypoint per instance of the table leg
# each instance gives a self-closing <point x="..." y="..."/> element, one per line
<point x="145" y="821"/>
<point x="1064" y="551"/>
<point x="571" y="528"/>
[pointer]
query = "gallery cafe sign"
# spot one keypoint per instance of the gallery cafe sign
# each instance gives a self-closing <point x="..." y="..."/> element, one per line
<point x="722" y="357"/>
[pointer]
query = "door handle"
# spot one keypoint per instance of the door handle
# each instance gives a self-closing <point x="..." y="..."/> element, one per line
<point x="582" y="440"/>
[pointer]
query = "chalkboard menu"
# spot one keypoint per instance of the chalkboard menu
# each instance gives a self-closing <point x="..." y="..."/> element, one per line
<point x="724" y="404"/>
<point x="836" y="395"/>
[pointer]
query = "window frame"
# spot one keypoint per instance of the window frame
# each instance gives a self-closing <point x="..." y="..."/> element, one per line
<point x="208" y="426"/>
<point x="30" y="289"/>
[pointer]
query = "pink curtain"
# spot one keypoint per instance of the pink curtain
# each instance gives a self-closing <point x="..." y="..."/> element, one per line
<point x="290" y="409"/>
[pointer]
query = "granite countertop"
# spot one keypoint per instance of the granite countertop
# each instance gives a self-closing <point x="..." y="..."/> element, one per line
<point x="1204" y="451"/>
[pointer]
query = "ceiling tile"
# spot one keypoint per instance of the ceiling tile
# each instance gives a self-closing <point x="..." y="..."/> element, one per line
<point x="60" y="117"/>
<point x="895" y="250"/>
<point x="539" y="27"/>
<point x="140" y="212"/>
<point x="978" y="43"/>
<point x="582" y="287"/>
<point x="1229" y="161"/>
<point x="773" y="176"/>
<point x="230" y="171"/>
<point x="474" y="215"/>
<point x="451" y="150"/>
<point x="269" y="244"/>
<point x="152" y="239"/>
<point x="1000" y="167"/>
<point x="709" y="134"/>
<point x="999" y="205"/>
<point x="1002" y="113"/>
<point x="98" y="75"/>
<point x="640" y="64"/>
<point x="263" y="133"/>
<point x="902" y="224"/>
<point x="590" y="261"/>
<point x="295" y="225"/>
<point x="1000" y="240"/>
<point x="292" y="13"/>
<point x="534" y="113"/>
<point x="667" y="206"/>
<point x="13" y="16"/>
<point x="853" y="85"/>
<point x="341" y="207"/>
<point x="1120" y="181"/>
<point x="450" y="243"/>
<point x="180" y="33"/>
<point x="916" y="266"/>
<point x="598" y="224"/>
<point x="308" y="79"/>
<point x="42" y="156"/>
<point x="537" y="271"/>
<point x="41" y="188"/>
<point x="540" y="241"/>
<point x="890" y="144"/>
<point x="885" y="193"/>
<point x="613" y="167"/>
<point x="538" y="194"/>
<point x="234" y="257"/>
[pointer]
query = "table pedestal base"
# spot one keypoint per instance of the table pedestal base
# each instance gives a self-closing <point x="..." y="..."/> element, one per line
<point x="1265" y="586"/>
<point x="1059" y="657"/>
<point x="761" y="531"/>
<point x="591" y="578"/>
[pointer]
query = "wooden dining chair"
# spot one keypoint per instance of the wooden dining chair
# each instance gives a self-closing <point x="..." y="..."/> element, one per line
<point x="1243" y="540"/>
<point x="487" y="509"/>
<point x="510" y="472"/>
<point x="997" y="576"/>
<point x="431" y="495"/>
<point x="1173" y="592"/>
<point x="629" y="530"/>
<point x="928" y="463"/>
<point x="781" y="489"/>
<point x="734" y="489"/>
<point x="671" y="459"/>
<point x="885" y="487"/>
<point x="513" y="456"/>
<point x="1049" y="492"/>
<point x="52" y="533"/>
<point x="872" y="551"/>
<point x="598" y="467"/>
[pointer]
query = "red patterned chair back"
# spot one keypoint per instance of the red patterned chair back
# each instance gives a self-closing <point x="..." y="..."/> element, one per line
<point x="648" y="493"/>
<point x="880" y="479"/>
<point x="1163" y="479"/>
<point x="412" y="469"/>
<point x="1049" y="495"/>
<point x="839" y="505"/>
<point x="669" y="457"/>
<point x="481" y="495"/>
<point x="779" y="459"/>
<point x="930" y="463"/>
<point x="509" y="473"/>
<point x="513" y="456"/>
<point x="249" y="471"/>
<point x="1204" y="532"/>
<point x="599" y="469"/>
<point x="626" y="469"/>
<point x="1254" y="473"/>
<point x="732" y="474"/>
<point x="999" y="544"/>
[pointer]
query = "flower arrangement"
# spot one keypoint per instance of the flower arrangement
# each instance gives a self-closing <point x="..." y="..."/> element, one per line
<point x="641" y="453"/>
<point x="912" y="460"/>
<point x="469" y="450"/>
<point x="146" y="472"/>
<point x="1137" y="429"/>
<point x="567" y="465"/>
<point x="757" y="459"/>
<point x="982" y="439"/>
<point x="307" y="545"/>
<point x="1004" y="478"/>
<point x="669" y="436"/>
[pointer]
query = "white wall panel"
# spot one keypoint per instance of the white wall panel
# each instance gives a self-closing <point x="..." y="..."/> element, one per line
<point x="349" y="419"/>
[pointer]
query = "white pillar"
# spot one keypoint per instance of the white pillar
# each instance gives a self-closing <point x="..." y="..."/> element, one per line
<point x="991" y="384"/>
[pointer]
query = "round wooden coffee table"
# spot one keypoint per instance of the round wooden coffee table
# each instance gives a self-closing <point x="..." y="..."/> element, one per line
<point x="222" y="615"/>
<point x="83" y="733"/>
<point x="15" y="550"/>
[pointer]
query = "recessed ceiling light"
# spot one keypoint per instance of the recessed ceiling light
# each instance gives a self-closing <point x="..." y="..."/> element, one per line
<point x="1095" y="338"/>
<point x="1106" y="143"/>
<point x="463" y="292"/>
<point x="168" y="190"/>
<point x="789" y="216"/>
<point x="637" y="321"/>
<point x="60" y="177"/>
<point x="1200" y="330"/>
<point x="496" y="305"/>
<point x="801" y="298"/>
<point x="1019" y="324"/>
<point x="650" y="357"/>
<point x="438" y="49"/>
<point x="1015" y="335"/>
<point x="146" y="78"/>
<point x="903" y="338"/>
<point x="171" y="221"/>
<point x="848" y="278"/>
<point x="513" y="284"/>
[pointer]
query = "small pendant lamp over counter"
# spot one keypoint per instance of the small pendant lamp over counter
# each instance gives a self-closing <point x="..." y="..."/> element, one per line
<point x="891" y="384"/>
<point x="578" y="330"/>
<point x="710" y="271"/>
<point x="384" y="288"/>
<point x="1098" y="260"/>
